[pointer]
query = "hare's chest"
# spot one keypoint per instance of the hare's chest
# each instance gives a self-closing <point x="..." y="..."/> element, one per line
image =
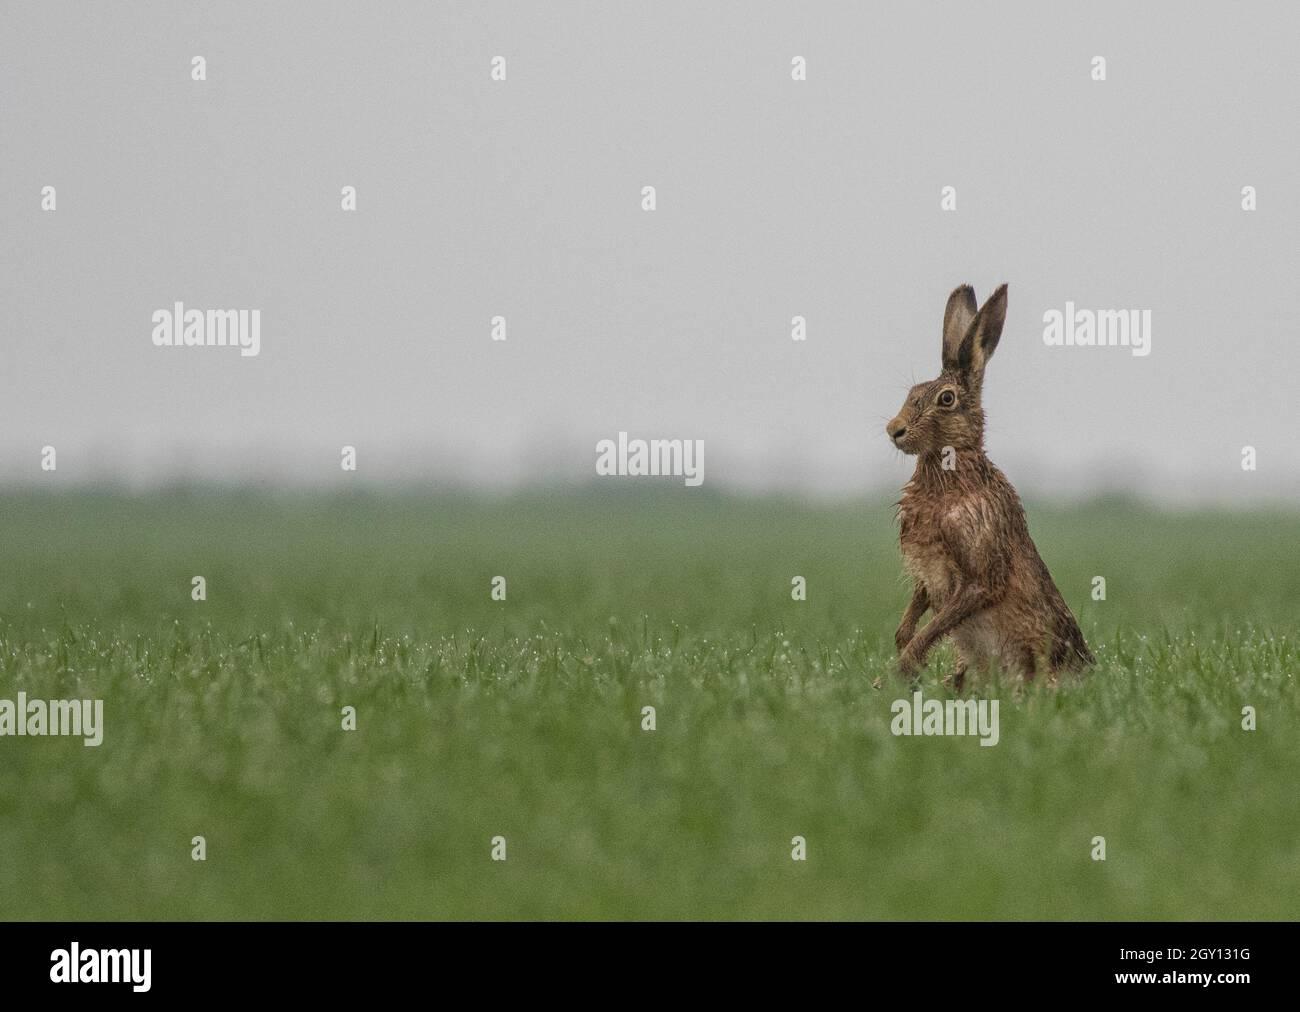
<point x="932" y="567"/>
<point x="924" y="553"/>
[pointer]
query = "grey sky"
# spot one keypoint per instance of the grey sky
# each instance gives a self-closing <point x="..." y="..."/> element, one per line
<point x="522" y="198"/>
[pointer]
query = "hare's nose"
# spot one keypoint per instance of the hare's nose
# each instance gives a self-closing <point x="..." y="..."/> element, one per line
<point x="896" y="429"/>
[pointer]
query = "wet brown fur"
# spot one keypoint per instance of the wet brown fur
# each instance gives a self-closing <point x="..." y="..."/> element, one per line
<point x="962" y="530"/>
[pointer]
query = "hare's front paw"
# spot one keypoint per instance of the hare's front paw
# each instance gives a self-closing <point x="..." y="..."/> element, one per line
<point x="909" y="664"/>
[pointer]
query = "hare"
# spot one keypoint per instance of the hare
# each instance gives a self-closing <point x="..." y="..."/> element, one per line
<point x="962" y="527"/>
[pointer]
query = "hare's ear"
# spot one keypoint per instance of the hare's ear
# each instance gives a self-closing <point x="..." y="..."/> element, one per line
<point x="957" y="317"/>
<point x="982" y="338"/>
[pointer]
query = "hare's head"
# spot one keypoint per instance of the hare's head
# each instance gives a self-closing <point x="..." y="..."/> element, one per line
<point x="946" y="411"/>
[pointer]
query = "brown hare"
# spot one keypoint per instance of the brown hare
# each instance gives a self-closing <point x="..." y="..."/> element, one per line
<point x="962" y="526"/>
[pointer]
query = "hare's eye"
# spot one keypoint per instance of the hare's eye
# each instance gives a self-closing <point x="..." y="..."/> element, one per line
<point x="947" y="399"/>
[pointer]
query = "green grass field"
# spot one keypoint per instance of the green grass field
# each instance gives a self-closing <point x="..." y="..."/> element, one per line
<point x="523" y="719"/>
